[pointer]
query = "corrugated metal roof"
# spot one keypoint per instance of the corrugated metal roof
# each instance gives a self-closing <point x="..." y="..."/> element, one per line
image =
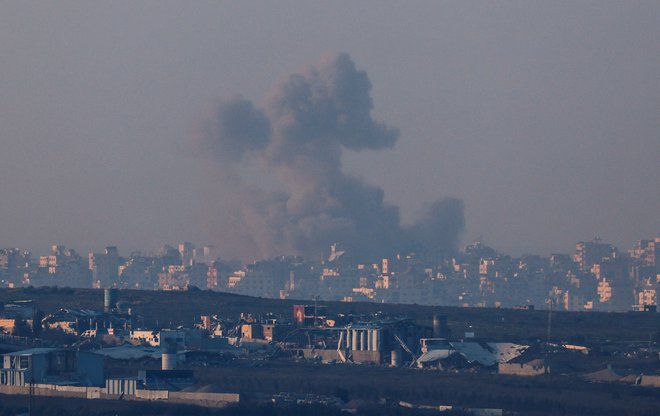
<point x="504" y="352"/>
<point x="435" y="355"/>
<point x="31" y="351"/>
<point x="474" y="352"/>
<point x="487" y="354"/>
<point x="127" y="352"/>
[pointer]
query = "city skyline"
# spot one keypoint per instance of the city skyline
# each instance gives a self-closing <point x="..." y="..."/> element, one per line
<point x="541" y="118"/>
<point x="595" y="276"/>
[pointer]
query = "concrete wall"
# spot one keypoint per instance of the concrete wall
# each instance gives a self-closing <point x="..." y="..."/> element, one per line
<point x="650" y="381"/>
<point x="366" y="356"/>
<point x="47" y="390"/>
<point x="194" y="398"/>
<point x="525" y="369"/>
<point x="326" y="355"/>
<point x="152" y="394"/>
<point x="67" y="389"/>
<point x="4" y="389"/>
<point x="204" y="399"/>
<point x="94" y="392"/>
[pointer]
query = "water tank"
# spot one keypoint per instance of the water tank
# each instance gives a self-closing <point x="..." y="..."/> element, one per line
<point x="169" y="357"/>
<point x="395" y="358"/>
<point x="169" y="360"/>
<point x="109" y="299"/>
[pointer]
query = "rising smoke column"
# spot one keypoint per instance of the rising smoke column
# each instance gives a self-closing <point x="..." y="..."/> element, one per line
<point x="297" y="135"/>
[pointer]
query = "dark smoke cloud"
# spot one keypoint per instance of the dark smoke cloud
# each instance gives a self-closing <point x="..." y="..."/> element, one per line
<point x="297" y="135"/>
<point x="240" y="127"/>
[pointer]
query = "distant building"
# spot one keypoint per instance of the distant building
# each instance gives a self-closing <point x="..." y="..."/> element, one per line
<point x="592" y="252"/>
<point x="646" y="251"/>
<point x="105" y="267"/>
<point x="212" y="277"/>
<point x="187" y="253"/>
<point x="647" y="297"/>
<point x="62" y="267"/>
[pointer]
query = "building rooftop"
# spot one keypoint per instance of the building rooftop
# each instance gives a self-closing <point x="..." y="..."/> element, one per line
<point x="31" y="351"/>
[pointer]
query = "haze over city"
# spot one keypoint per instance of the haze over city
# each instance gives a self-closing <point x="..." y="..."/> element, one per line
<point x="542" y="118"/>
<point x="327" y="208"/>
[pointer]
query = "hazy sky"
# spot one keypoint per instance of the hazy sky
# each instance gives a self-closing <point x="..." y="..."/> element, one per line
<point x="543" y="117"/>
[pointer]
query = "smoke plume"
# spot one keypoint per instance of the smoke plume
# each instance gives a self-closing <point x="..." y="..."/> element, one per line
<point x="296" y="136"/>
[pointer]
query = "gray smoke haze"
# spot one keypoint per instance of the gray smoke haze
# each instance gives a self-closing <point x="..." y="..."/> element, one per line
<point x="298" y="134"/>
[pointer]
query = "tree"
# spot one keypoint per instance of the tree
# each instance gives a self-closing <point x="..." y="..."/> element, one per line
<point x="36" y="323"/>
<point x="21" y="328"/>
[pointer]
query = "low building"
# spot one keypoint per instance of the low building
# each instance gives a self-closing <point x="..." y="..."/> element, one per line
<point x="52" y="365"/>
<point x="274" y="332"/>
<point x="75" y="321"/>
<point x="252" y="331"/>
<point x="145" y="336"/>
<point x="158" y="338"/>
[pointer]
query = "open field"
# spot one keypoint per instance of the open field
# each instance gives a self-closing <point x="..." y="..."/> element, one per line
<point x="548" y="395"/>
<point x="54" y="406"/>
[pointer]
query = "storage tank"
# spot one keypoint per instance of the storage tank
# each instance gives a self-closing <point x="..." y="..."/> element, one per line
<point x="395" y="358"/>
<point x="168" y="361"/>
<point x="109" y="299"/>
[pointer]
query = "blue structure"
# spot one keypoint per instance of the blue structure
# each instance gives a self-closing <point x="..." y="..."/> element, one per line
<point x="53" y="366"/>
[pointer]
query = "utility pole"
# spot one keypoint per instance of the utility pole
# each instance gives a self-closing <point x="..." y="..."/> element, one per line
<point x="547" y="339"/>
<point x="31" y="396"/>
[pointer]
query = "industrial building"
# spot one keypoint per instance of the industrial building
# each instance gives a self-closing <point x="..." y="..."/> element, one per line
<point x="364" y="341"/>
<point x="52" y="365"/>
<point x="440" y="353"/>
